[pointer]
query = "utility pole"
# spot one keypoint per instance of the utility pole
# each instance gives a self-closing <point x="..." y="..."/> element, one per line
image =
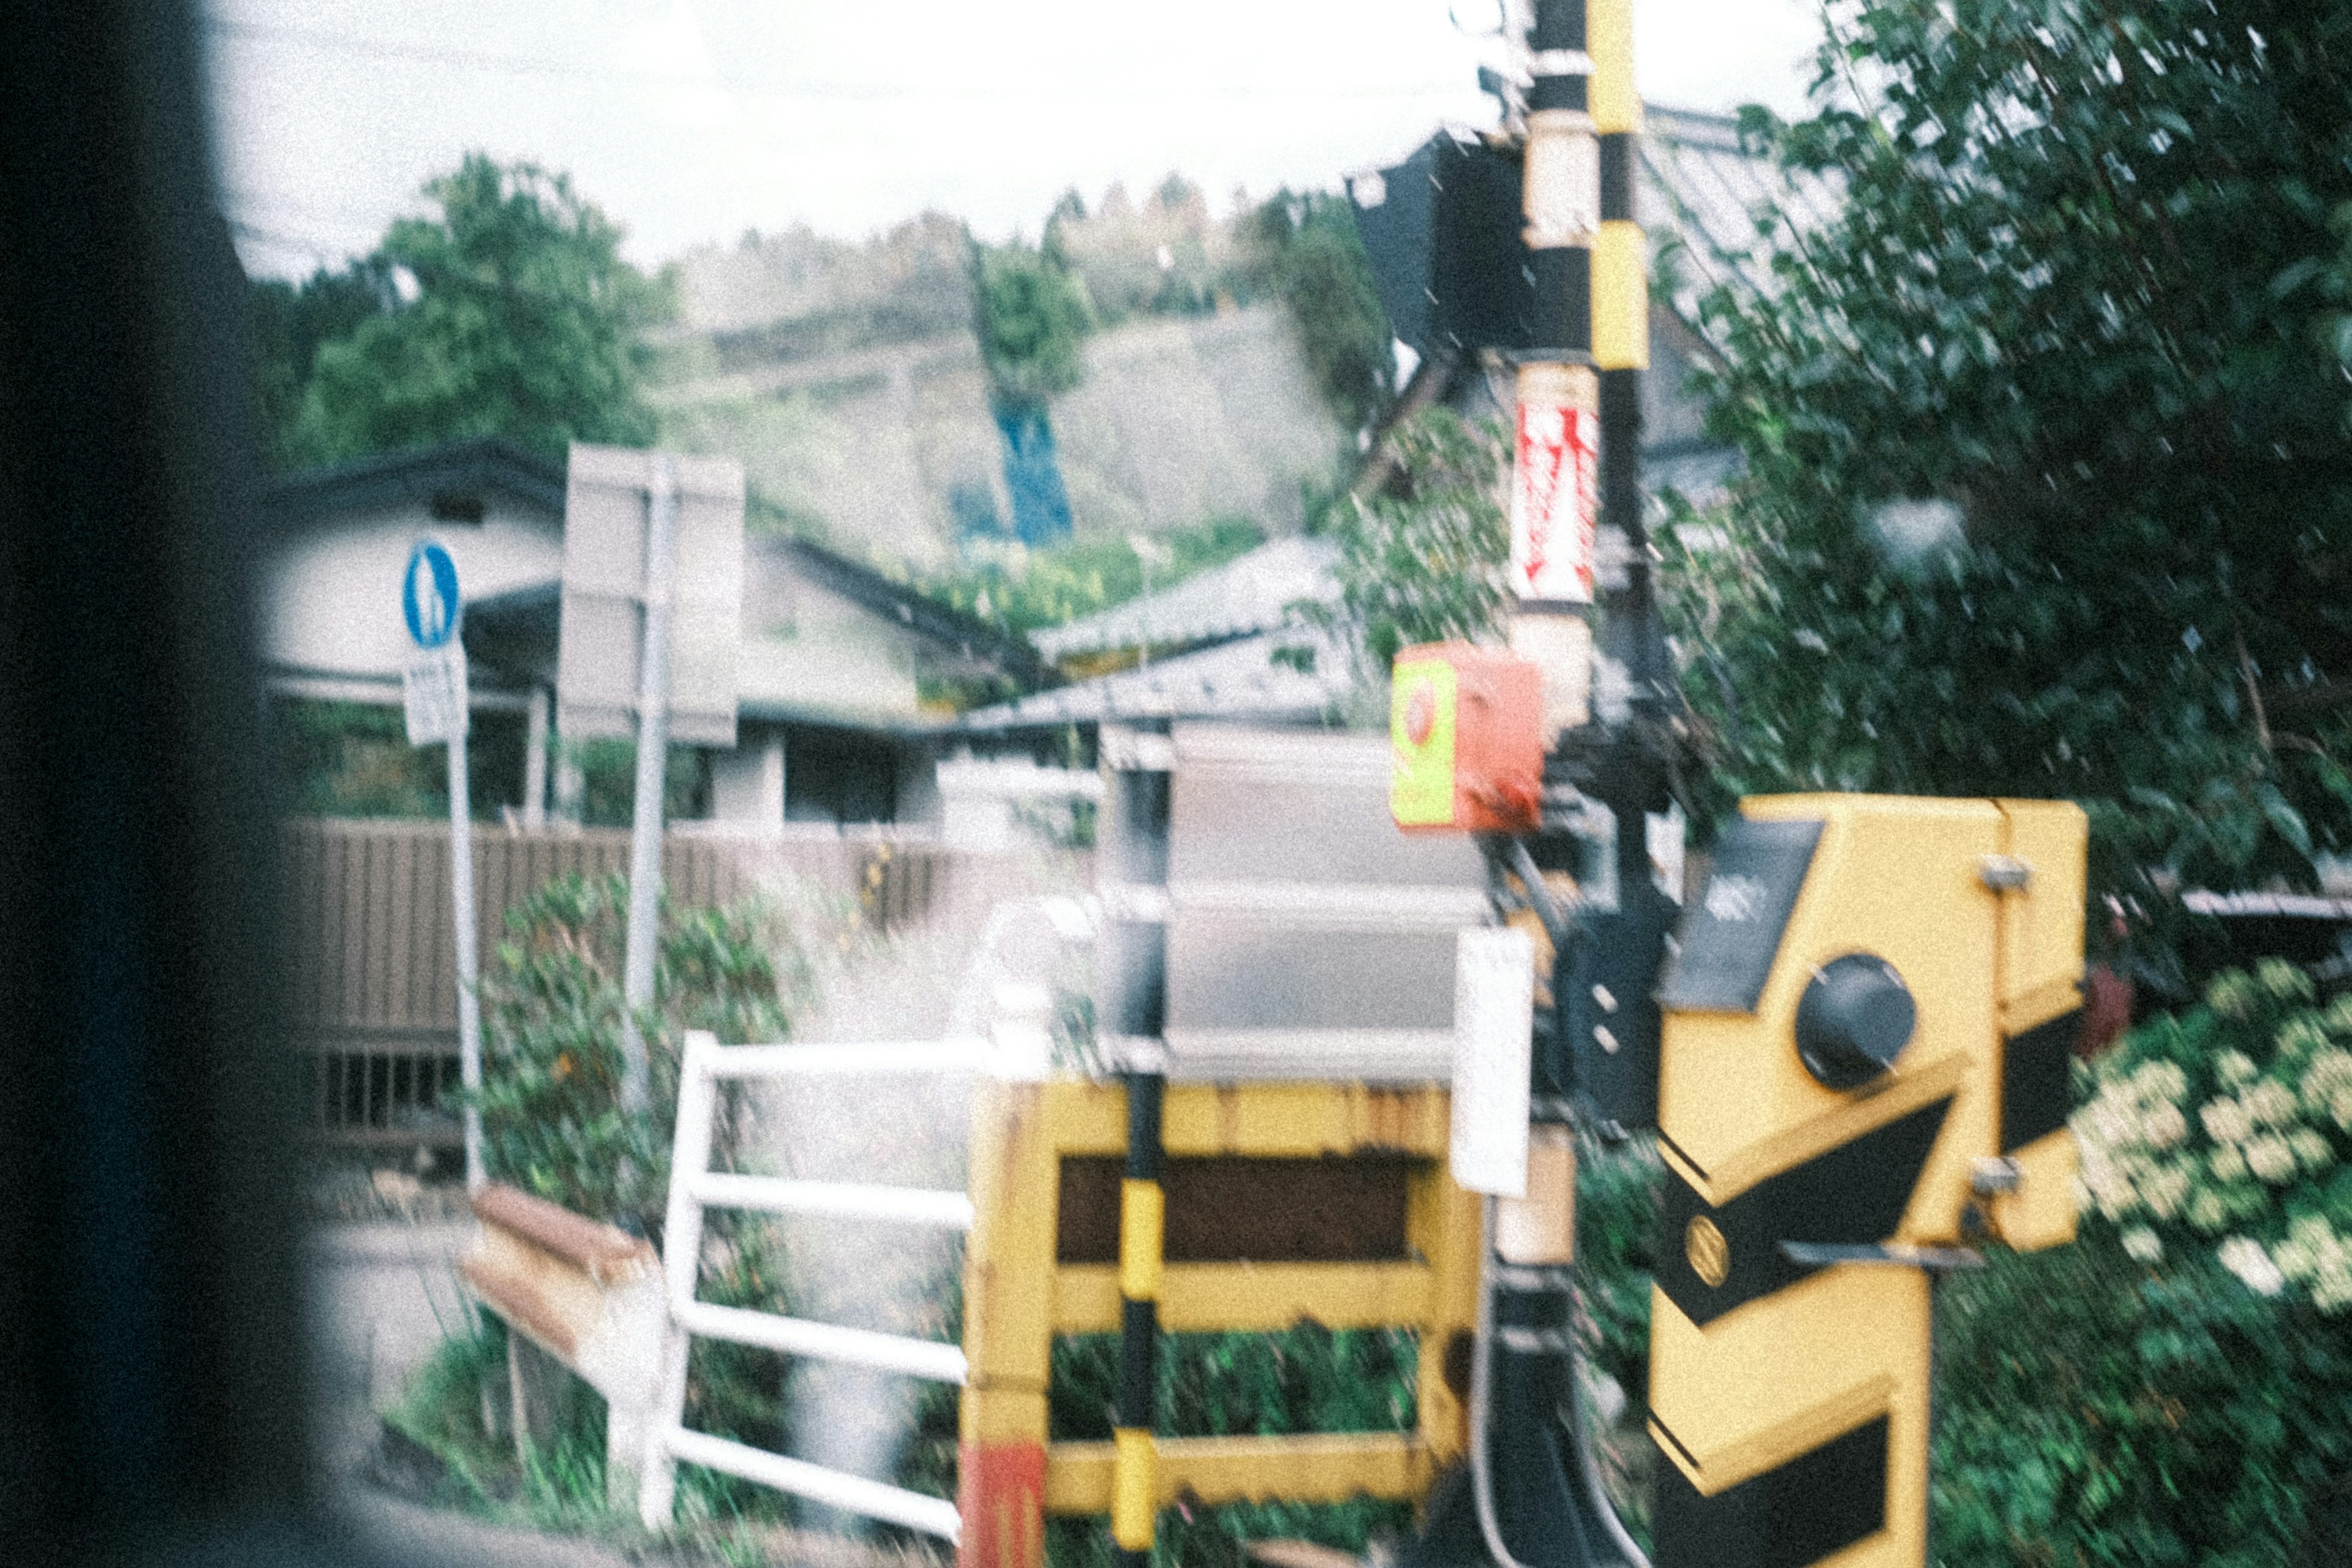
<point x="1530" y="1497"/>
<point x="652" y="756"/>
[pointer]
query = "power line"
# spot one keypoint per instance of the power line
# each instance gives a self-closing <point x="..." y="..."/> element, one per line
<point x="519" y="64"/>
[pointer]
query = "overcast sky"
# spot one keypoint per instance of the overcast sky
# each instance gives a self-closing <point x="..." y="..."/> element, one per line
<point x="692" y="121"/>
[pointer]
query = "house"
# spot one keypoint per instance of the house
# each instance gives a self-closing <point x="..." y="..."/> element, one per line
<point x="835" y="674"/>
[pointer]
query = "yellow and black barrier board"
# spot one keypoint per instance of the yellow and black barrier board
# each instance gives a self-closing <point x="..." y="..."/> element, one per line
<point x="1720" y="1257"/>
<point x="1805" y="1508"/>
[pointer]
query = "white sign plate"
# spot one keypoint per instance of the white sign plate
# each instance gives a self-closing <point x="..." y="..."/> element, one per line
<point x="432" y="688"/>
<point x="1494" y="1029"/>
<point x="603" y="591"/>
<point x="1555" y="504"/>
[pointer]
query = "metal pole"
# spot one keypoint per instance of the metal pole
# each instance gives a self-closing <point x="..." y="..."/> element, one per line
<point x="534" y="762"/>
<point x="461" y="896"/>
<point x="653" y="752"/>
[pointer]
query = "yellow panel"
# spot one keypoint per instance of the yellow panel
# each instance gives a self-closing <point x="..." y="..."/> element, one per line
<point x="1897" y="877"/>
<point x="1620" y="297"/>
<point x="1242" y="1469"/>
<point x="1266" y="1120"/>
<point x="1083" y="1118"/>
<point x="1443" y="1221"/>
<point x="1015" y="1190"/>
<point x="1609" y="39"/>
<point x="2040" y="1212"/>
<point x="1251" y="1297"/>
<point x="994" y="1416"/>
<point x="2041" y="924"/>
<point x="1300" y="1120"/>
<point x="1771" y="1380"/>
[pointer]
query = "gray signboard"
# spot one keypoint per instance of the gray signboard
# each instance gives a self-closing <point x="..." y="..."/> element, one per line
<point x="605" y="517"/>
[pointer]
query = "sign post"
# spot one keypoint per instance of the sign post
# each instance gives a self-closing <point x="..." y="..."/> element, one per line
<point x="434" y="687"/>
<point x="652" y="606"/>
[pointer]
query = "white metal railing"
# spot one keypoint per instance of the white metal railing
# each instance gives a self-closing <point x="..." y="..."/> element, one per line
<point x="693" y="1187"/>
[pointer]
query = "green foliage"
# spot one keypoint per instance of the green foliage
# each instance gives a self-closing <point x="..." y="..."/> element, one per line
<point x="353" y="759"/>
<point x="1031" y="317"/>
<point x="2093" y="1413"/>
<point x="2224" y="1132"/>
<point x="552" y="1018"/>
<point x="1308" y="254"/>
<point x="2088" y="281"/>
<point x="291" y="320"/>
<point x="1018" y="590"/>
<point x="524" y="323"/>
<point x="1309" y="1379"/>
<point x="1423" y="560"/>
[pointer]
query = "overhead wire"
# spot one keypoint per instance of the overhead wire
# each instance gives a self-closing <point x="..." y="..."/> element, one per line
<point x="793" y="91"/>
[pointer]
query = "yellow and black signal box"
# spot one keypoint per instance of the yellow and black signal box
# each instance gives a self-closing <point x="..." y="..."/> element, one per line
<point x="1868" y="1023"/>
<point x="1465" y="727"/>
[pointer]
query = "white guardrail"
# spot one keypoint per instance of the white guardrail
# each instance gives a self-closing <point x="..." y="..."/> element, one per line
<point x="1019" y="1048"/>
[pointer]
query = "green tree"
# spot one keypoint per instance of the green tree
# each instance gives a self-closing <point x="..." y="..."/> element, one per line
<point x="514" y="316"/>
<point x="1425" y="559"/>
<point x="1307" y="256"/>
<point x="2086" y="285"/>
<point x="1031" y="317"/>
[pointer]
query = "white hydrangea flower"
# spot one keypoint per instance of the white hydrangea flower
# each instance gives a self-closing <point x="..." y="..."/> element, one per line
<point x="2163" y="1126"/>
<point x="2162" y="1081"/>
<point x="2312" y="1150"/>
<point x="2165" y="1190"/>
<point x="2208" y="1213"/>
<point x="2271" y="1103"/>
<point x="2226" y="1121"/>
<point x="2339" y="1108"/>
<point x="2144" y="1244"/>
<point x="2234" y="1068"/>
<point x="2244" y="1256"/>
<point x="2269" y="1158"/>
<point x="2227" y="1163"/>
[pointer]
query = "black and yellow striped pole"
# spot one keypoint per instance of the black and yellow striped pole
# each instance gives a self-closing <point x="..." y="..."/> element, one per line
<point x="1141" y="1209"/>
<point x="1131" y="965"/>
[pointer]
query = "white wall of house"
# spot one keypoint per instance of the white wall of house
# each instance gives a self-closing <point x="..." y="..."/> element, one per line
<point x="329" y="601"/>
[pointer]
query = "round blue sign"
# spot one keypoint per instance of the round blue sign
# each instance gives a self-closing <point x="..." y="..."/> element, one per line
<point x="428" y="595"/>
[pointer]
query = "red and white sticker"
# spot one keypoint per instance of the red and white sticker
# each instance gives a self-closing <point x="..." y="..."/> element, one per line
<point x="1555" y="504"/>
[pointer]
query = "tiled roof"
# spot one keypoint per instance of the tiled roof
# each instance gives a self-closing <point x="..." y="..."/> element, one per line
<point x="1233" y="600"/>
<point x="1233" y="681"/>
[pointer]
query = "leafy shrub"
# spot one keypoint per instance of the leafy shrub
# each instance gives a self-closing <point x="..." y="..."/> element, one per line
<point x="1426" y="561"/>
<point x="2092" y="1411"/>
<point x="551" y="1015"/>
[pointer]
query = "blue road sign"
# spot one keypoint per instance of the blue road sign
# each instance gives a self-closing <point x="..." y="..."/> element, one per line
<point x="428" y="594"/>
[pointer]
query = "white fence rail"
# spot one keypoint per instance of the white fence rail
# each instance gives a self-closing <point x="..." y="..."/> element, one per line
<point x="695" y="1187"/>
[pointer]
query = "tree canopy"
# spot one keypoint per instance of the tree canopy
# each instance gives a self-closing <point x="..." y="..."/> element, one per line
<point x="2086" y="288"/>
<point x="1031" y="317"/>
<point x="510" y="315"/>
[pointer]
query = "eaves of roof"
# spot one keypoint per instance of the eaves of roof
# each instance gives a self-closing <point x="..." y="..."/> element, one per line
<point x="870" y="590"/>
<point x="419" y="475"/>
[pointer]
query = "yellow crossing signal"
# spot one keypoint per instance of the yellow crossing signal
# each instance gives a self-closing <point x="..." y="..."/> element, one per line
<point x="1866" y="1033"/>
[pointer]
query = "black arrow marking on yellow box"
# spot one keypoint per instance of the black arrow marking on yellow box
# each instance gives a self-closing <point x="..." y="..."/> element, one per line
<point x="1854" y="1194"/>
<point x="1800" y="1512"/>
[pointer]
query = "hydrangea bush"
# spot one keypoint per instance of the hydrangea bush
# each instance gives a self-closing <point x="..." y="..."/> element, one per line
<point x="2226" y="1130"/>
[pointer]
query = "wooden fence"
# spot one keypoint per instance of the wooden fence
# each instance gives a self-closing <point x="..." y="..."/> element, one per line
<point x="371" y="968"/>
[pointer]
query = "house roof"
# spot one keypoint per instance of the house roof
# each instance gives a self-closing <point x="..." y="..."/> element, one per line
<point x="864" y="586"/>
<point x="1247" y="595"/>
<point x="1236" y="680"/>
<point x="451" y="475"/>
<point x="1729" y="208"/>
